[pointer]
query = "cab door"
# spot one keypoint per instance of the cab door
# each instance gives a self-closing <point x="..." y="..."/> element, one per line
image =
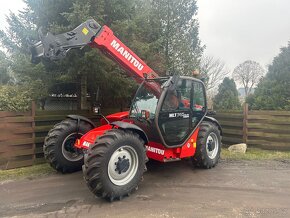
<point x="183" y="107"/>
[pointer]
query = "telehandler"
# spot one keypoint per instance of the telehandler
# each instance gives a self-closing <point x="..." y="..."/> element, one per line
<point x="167" y="120"/>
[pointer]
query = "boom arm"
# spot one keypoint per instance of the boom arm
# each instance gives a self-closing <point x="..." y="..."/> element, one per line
<point x="91" y="33"/>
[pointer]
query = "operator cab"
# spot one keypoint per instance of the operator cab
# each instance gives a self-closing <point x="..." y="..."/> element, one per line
<point x="170" y="106"/>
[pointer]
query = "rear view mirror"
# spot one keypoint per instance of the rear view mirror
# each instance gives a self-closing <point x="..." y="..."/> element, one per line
<point x="96" y="110"/>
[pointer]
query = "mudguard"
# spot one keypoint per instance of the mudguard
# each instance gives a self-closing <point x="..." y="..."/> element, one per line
<point x="133" y="127"/>
<point x="79" y="117"/>
<point x="115" y="117"/>
<point x="211" y="119"/>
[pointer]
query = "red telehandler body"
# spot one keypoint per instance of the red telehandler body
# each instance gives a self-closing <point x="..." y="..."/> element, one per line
<point x="167" y="121"/>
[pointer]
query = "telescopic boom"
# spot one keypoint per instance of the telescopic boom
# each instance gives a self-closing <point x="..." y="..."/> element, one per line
<point x="91" y="33"/>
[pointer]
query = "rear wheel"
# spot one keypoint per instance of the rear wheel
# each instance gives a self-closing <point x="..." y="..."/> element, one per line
<point x="115" y="164"/>
<point x="58" y="148"/>
<point x="208" y="146"/>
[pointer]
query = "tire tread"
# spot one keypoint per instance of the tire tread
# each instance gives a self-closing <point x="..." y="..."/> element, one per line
<point x="93" y="163"/>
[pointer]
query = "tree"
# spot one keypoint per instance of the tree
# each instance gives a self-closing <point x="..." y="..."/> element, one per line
<point x="273" y="92"/>
<point x="162" y="32"/>
<point x="249" y="74"/>
<point x="57" y="17"/>
<point x="213" y="71"/>
<point x="179" y="34"/>
<point x="4" y="65"/>
<point x="228" y="96"/>
<point x="22" y="26"/>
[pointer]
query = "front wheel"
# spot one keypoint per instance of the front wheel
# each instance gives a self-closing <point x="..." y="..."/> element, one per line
<point x="115" y="164"/>
<point x="208" y="146"/>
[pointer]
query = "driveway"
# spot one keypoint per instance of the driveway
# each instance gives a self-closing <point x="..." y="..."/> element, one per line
<point x="232" y="189"/>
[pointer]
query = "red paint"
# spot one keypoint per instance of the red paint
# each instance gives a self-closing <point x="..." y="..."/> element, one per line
<point x="115" y="117"/>
<point x="188" y="149"/>
<point x="91" y="136"/>
<point x="158" y="152"/>
<point x="155" y="150"/>
<point x="104" y="42"/>
<point x="112" y="47"/>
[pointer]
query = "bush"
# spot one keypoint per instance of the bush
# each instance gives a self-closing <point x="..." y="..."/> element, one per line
<point x="19" y="97"/>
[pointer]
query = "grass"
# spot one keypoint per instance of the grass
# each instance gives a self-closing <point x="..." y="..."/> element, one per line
<point x="255" y="154"/>
<point x="26" y="172"/>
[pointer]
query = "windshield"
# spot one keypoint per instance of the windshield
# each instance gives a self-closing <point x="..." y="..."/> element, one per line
<point x="147" y="98"/>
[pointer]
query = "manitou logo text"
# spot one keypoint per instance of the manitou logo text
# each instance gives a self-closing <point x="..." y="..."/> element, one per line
<point x="127" y="55"/>
<point x="155" y="150"/>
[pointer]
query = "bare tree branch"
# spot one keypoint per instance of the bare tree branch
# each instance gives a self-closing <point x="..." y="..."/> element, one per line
<point x="213" y="71"/>
<point x="249" y="74"/>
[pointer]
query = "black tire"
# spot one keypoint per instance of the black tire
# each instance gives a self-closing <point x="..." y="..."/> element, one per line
<point x="207" y="151"/>
<point x="102" y="161"/>
<point x="58" y="145"/>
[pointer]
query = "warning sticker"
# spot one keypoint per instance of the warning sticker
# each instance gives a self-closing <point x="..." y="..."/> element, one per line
<point x="85" y="31"/>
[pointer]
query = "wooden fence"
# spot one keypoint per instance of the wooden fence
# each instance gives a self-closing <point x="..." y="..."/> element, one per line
<point x="263" y="129"/>
<point x="232" y="126"/>
<point x="22" y="134"/>
<point x="17" y="138"/>
<point x="269" y="129"/>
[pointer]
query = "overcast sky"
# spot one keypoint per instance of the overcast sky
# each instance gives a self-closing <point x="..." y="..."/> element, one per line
<point x="238" y="30"/>
<point x="232" y="30"/>
<point x="13" y="5"/>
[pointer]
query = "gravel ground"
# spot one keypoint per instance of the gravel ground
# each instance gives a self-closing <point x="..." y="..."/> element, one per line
<point x="232" y="189"/>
